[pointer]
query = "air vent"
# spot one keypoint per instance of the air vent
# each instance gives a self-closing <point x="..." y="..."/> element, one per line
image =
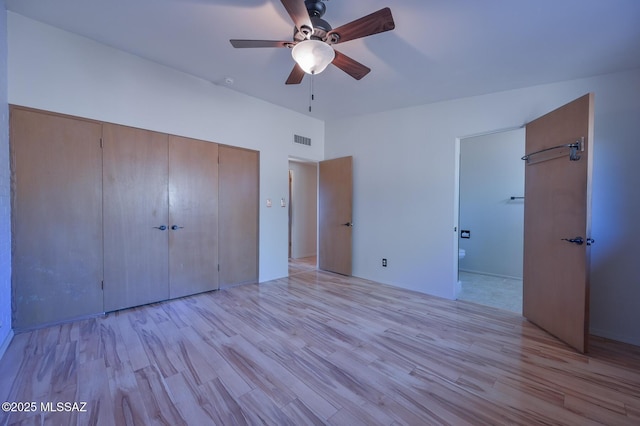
<point x="301" y="140"/>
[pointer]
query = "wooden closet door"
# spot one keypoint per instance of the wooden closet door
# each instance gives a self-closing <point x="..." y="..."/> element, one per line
<point x="238" y="215"/>
<point x="193" y="216"/>
<point x="57" y="218"/>
<point x="136" y="217"/>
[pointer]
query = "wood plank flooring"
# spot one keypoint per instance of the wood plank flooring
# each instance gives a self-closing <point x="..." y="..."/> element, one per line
<point x="304" y="264"/>
<point x="312" y="349"/>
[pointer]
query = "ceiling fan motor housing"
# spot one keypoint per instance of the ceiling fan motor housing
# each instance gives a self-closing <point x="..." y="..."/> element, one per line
<point x="320" y="30"/>
<point x="315" y="8"/>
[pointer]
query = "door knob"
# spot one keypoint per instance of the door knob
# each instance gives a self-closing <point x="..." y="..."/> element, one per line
<point x="348" y="224"/>
<point x="161" y="227"/>
<point x="176" y="227"/>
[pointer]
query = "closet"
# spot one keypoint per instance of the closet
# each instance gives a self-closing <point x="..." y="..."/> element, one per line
<point x="56" y="179"/>
<point x="160" y="216"/>
<point x="108" y="217"/>
<point x="193" y="233"/>
<point x="135" y="195"/>
<point x="239" y="175"/>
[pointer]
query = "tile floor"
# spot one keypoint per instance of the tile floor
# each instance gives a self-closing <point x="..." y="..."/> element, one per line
<point x="498" y="292"/>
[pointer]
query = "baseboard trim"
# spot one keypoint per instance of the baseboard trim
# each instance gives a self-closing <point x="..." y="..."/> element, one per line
<point x="613" y="336"/>
<point x="303" y="255"/>
<point x="35" y="327"/>
<point x="6" y="343"/>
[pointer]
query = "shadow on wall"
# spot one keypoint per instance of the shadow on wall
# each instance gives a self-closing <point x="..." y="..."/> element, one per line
<point x="615" y="275"/>
<point x="612" y="298"/>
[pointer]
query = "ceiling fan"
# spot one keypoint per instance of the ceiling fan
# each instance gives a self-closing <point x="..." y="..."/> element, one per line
<point x="313" y="39"/>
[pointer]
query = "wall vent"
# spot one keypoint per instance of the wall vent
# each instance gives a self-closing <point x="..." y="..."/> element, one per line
<point x="301" y="140"/>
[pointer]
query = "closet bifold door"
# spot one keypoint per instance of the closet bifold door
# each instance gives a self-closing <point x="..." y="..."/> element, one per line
<point x="238" y="215"/>
<point x="136" y="217"/>
<point x="57" y="218"/>
<point x="193" y="216"/>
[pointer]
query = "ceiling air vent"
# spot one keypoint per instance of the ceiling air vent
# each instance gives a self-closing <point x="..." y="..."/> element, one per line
<point x="301" y="140"/>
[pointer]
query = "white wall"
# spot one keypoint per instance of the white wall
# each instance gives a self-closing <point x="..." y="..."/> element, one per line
<point x="304" y="209"/>
<point x="5" y="193"/>
<point x="58" y="71"/>
<point x="491" y="172"/>
<point x="405" y="188"/>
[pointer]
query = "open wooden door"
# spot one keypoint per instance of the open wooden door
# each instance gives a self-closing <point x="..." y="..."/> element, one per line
<point x="335" y="211"/>
<point x="557" y="221"/>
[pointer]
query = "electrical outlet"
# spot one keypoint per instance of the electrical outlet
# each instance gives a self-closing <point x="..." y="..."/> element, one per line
<point x="384" y="263"/>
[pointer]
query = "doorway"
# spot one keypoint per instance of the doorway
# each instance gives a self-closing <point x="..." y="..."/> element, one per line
<point x="303" y="215"/>
<point x="491" y="219"/>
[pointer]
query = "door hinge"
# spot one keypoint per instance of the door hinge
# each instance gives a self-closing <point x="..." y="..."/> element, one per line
<point x="102" y="285"/>
<point x="218" y="267"/>
<point x="101" y="143"/>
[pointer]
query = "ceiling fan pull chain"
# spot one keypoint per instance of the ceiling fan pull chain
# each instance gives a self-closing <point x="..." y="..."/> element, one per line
<point x="311" y="90"/>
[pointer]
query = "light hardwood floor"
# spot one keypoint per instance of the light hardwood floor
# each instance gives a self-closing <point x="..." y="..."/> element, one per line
<point x="304" y="264"/>
<point x="317" y="348"/>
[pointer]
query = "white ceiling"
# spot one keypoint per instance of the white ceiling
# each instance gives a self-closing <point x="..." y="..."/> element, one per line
<point x="439" y="50"/>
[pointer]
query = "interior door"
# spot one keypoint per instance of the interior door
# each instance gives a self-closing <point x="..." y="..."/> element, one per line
<point x="239" y="185"/>
<point x="335" y="191"/>
<point x="57" y="217"/>
<point x="557" y="209"/>
<point x="193" y="216"/>
<point x="136" y="222"/>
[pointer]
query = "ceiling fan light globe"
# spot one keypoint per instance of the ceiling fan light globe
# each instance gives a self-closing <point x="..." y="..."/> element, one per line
<point x="313" y="56"/>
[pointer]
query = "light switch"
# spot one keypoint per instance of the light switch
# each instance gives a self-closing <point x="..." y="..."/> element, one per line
<point x="283" y="203"/>
<point x="268" y="202"/>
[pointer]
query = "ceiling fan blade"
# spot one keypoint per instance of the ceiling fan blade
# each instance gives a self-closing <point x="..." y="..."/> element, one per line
<point x="352" y="67"/>
<point x="299" y="15"/>
<point x="259" y="43"/>
<point x="375" y="23"/>
<point x="296" y="75"/>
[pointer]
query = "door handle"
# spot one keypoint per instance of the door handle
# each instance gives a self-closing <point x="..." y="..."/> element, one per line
<point x="577" y="240"/>
<point x="161" y="227"/>
<point x="176" y="227"/>
<point x="348" y="224"/>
